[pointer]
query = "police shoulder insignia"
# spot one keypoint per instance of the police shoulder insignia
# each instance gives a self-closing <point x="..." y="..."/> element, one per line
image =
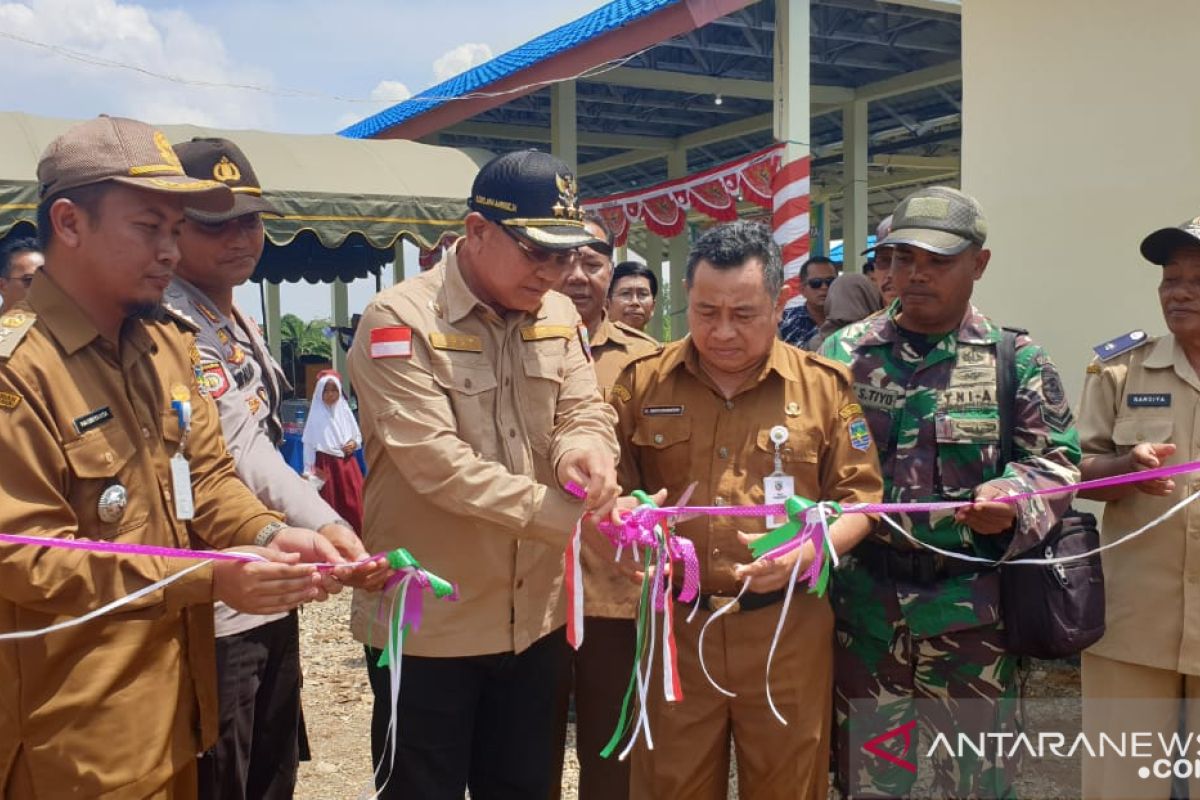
<point x="9" y="400"/>
<point x="13" y="327"/>
<point x="1121" y="344"/>
<point x="1093" y="368"/>
<point x="533" y="333"/>
<point x="214" y="381"/>
<point x="461" y="342"/>
<point x="182" y="319"/>
<point x="860" y="434"/>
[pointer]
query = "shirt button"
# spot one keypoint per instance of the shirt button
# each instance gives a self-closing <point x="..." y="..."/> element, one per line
<point x="729" y="404"/>
<point x="723" y="452"/>
<point x="658" y="438"/>
<point x="718" y="501"/>
<point x="145" y="432"/>
<point x="520" y="583"/>
<point x="167" y="494"/>
<point x="108" y="458"/>
<point x="716" y="551"/>
<point x="467" y="383"/>
<point x="560" y="372"/>
<point x="512" y="433"/>
<point x="507" y="381"/>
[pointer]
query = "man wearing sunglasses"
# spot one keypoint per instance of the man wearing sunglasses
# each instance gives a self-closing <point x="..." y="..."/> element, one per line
<point x="479" y="404"/>
<point x="19" y="260"/>
<point x="801" y="323"/>
<point x="258" y="657"/>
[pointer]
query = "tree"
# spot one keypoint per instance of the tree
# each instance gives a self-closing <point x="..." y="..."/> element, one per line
<point x="301" y="342"/>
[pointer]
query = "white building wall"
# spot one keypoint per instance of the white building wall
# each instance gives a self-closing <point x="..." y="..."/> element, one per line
<point x="1081" y="135"/>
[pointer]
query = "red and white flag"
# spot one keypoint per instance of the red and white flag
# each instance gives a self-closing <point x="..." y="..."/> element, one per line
<point x="393" y="342"/>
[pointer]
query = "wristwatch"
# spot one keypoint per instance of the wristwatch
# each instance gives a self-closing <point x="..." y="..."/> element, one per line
<point x="268" y="533"/>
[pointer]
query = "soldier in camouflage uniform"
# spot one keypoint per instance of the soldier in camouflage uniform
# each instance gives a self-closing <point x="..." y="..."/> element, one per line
<point x="912" y="625"/>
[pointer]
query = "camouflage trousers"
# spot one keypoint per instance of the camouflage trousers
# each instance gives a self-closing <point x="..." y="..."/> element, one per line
<point x="905" y="694"/>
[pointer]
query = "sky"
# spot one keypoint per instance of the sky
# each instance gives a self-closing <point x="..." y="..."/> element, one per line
<point x="313" y="66"/>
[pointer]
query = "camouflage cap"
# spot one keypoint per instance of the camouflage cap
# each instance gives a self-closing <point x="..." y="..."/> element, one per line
<point x="1158" y="246"/>
<point x="938" y="219"/>
<point x="123" y="151"/>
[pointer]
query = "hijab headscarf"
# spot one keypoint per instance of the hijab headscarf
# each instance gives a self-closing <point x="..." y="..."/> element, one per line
<point x="851" y="297"/>
<point x="328" y="428"/>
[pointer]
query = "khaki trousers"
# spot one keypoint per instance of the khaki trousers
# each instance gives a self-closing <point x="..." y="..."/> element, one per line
<point x="1119" y="697"/>
<point x="690" y="758"/>
<point x="181" y="785"/>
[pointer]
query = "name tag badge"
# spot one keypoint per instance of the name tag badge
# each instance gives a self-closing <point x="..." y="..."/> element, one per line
<point x="777" y="489"/>
<point x="1156" y="400"/>
<point x="181" y="487"/>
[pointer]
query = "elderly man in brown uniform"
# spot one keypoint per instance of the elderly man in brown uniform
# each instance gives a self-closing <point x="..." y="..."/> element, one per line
<point x="1139" y="411"/>
<point x="727" y="407"/>
<point x="599" y="671"/>
<point x="479" y="402"/>
<point x="107" y="436"/>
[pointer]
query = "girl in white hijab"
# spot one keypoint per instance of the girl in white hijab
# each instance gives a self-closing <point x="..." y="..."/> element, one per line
<point x="331" y="438"/>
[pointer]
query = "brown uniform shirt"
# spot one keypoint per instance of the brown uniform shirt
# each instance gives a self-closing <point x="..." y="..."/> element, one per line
<point x="1152" y="584"/>
<point x="676" y="427"/>
<point x="606" y="592"/>
<point x="114" y="707"/>
<point x="462" y="438"/>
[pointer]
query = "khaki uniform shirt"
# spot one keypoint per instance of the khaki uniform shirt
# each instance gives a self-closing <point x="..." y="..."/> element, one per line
<point x="606" y="592"/>
<point x="1152" y="584"/>
<point x="114" y="707"/>
<point x="247" y="385"/>
<point x="676" y="427"/>
<point x="462" y="438"/>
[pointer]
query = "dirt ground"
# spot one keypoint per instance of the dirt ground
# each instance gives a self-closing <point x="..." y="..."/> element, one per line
<point x="337" y="706"/>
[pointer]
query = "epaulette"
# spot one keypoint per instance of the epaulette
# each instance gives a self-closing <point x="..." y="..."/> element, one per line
<point x="1121" y="344"/>
<point x="173" y="313"/>
<point x="13" y="327"/>
<point x="635" y="333"/>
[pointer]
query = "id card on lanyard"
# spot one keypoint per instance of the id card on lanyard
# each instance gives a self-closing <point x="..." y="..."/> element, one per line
<point x="778" y="487"/>
<point x="181" y="472"/>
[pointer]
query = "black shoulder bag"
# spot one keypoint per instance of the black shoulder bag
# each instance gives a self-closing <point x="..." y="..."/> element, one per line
<point x="1049" y="611"/>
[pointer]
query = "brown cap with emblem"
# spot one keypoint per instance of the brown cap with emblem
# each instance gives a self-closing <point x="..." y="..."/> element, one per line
<point x="1158" y="246"/>
<point x="222" y="160"/>
<point x="123" y="151"/>
<point x="532" y="194"/>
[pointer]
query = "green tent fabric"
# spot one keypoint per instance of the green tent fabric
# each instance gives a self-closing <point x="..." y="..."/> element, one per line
<point x="345" y="202"/>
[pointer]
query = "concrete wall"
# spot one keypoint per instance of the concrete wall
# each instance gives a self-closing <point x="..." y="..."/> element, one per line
<point x="1081" y="135"/>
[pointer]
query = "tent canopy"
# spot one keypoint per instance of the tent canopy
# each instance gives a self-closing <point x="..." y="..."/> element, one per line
<point x="345" y="202"/>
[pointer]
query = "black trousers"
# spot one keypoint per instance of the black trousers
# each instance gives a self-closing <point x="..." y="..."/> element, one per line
<point x="258" y="682"/>
<point x="478" y="722"/>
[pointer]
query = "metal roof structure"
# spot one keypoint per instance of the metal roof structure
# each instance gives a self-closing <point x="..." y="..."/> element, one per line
<point x="708" y="88"/>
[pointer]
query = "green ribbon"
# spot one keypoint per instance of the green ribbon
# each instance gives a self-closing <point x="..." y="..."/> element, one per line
<point x="401" y="559"/>
<point x="796" y="507"/>
<point x="643" y="624"/>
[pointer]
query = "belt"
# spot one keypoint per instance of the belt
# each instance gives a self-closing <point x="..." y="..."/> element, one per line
<point x="751" y="601"/>
<point x="922" y="567"/>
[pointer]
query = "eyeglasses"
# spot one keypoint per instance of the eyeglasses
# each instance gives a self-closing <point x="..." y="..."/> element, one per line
<point x="629" y="295"/>
<point x="817" y="283"/>
<point x="538" y="255"/>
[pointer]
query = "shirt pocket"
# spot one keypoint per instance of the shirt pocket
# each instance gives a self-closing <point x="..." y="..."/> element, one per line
<point x="1134" y="429"/>
<point x="668" y="457"/>
<point x="968" y="451"/>
<point x="470" y="384"/>
<point x="100" y="459"/>
<point x="544" y="366"/>
<point x="798" y="457"/>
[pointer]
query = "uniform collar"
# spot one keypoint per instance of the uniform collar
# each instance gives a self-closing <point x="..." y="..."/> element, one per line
<point x="1165" y="352"/>
<point x="684" y="353"/>
<point x="61" y="315"/>
<point x="203" y="305"/>
<point x="975" y="328"/>
<point x="605" y="331"/>
<point x="458" y="300"/>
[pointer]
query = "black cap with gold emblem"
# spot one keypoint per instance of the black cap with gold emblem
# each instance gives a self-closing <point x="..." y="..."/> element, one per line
<point x="222" y="160"/>
<point x="533" y="194"/>
<point x="1158" y="247"/>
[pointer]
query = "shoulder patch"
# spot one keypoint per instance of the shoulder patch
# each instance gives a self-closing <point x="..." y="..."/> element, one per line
<point x="533" y="333"/>
<point x="9" y="400"/>
<point x="13" y="327"/>
<point x="461" y="342"/>
<point x="213" y="379"/>
<point x="1093" y="368"/>
<point x="1121" y="344"/>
